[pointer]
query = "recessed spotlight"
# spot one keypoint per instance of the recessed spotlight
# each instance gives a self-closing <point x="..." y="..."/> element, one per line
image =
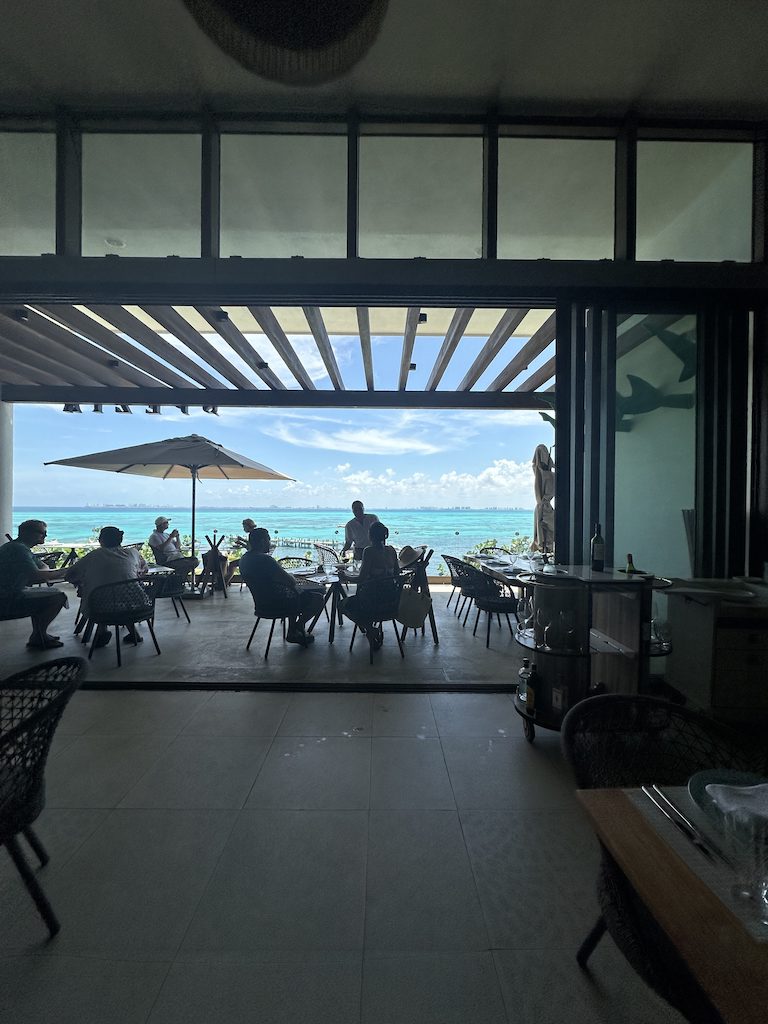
<point x="113" y="242"/>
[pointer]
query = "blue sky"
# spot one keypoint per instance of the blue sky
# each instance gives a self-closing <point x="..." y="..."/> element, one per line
<point x="389" y="458"/>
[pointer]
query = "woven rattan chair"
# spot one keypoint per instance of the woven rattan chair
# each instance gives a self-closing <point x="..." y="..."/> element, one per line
<point x="376" y="602"/>
<point x="172" y="587"/>
<point x="614" y="741"/>
<point x="464" y="579"/>
<point x="123" y="604"/>
<point x="294" y="562"/>
<point x="493" y="598"/>
<point x="327" y="557"/>
<point x="31" y="705"/>
<point x="495" y="550"/>
<point x="280" y="604"/>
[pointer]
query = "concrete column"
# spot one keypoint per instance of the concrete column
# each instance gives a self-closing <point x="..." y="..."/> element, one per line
<point x="6" y="470"/>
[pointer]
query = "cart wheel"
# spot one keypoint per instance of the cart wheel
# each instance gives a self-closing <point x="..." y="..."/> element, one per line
<point x="529" y="730"/>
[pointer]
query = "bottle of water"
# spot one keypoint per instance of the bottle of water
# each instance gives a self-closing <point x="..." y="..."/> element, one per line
<point x="522" y="680"/>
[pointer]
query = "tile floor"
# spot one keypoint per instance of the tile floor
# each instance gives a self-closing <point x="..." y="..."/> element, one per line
<point x="309" y="858"/>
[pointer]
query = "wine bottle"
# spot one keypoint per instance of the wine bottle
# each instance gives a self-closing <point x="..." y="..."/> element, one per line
<point x="630" y="565"/>
<point x="597" y="550"/>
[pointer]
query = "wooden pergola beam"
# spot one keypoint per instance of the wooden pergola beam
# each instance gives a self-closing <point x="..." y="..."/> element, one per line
<point x="268" y="322"/>
<point x="231" y="333"/>
<point x="535" y="345"/>
<point x="317" y="326"/>
<point x="21" y="355"/>
<point x="180" y="328"/>
<point x="504" y="329"/>
<point x="409" y="337"/>
<point x="452" y="338"/>
<point x="544" y="373"/>
<point x="364" y="327"/>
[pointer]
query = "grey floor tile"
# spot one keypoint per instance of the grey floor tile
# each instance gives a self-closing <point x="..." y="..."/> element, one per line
<point x="74" y="990"/>
<point x="130" y="890"/>
<point x="61" y="831"/>
<point x="475" y="714"/>
<point x="97" y="771"/>
<point x="504" y="773"/>
<point x="409" y="772"/>
<point x="421" y="895"/>
<point x="447" y="988"/>
<point x="272" y="993"/>
<point x="536" y="873"/>
<point x="322" y="772"/>
<point x="239" y="714"/>
<point x="287" y="880"/>
<point x="328" y="714"/>
<point x="143" y="712"/>
<point x="201" y="771"/>
<point x="403" y="714"/>
<point x="546" y="987"/>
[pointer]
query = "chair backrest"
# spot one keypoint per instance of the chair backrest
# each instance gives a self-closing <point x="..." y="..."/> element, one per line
<point x="120" y="597"/>
<point x="479" y="583"/>
<point x="495" y="550"/>
<point x="294" y="562"/>
<point x="31" y="705"/>
<point x="379" y="598"/>
<point x="275" y="601"/>
<point x="616" y="741"/>
<point x="327" y="556"/>
<point x="171" y="584"/>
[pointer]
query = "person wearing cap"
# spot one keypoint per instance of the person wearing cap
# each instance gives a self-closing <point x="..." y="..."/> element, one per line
<point x="356" y="535"/>
<point x="20" y="570"/>
<point x="108" y="563"/>
<point x="165" y="548"/>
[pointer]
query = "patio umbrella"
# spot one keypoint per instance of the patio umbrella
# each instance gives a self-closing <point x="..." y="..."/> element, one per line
<point x="544" y="489"/>
<point x="193" y="456"/>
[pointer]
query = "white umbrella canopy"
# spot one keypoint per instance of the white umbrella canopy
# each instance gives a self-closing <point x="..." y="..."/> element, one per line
<point x="177" y="457"/>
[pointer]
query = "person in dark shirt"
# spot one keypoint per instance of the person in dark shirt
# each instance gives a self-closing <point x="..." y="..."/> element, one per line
<point x="19" y="571"/>
<point x="263" y="575"/>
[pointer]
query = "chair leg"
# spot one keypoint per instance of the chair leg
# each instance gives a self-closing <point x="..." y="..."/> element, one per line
<point x="150" y="623"/>
<point x="469" y="609"/>
<point x="117" y="646"/>
<point x="488" y="629"/>
<point x="477" y="619"/>
<point x="269" y="639"/>
<point x="173" y="602"/>
<point x="399" y="641"/>
<point x="93" y="642"/>
<point x="40" y="851"/>
<point x="184" y="609"/>
<point x="253" y="633"/>
<point x="588" y="945"/>
<point x="371" y="634"/>
<point x="354" y="634"/>
<point x="33" y="886"/>
<point x="451" y="598"/>
<point x="511" y="631"/>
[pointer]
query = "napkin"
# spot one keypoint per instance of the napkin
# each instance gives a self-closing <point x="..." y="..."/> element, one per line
<point x="741" y="801"/>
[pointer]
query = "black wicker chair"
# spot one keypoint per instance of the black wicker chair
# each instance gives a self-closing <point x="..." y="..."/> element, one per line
<point x="614" y="741"/>
<point x="490" y="596"/>
<point x="281" y="603"/>
<point x="123" y="604"/>
<point x="377" y="601"/>
<point x="173" y="587"/>
<point x="31" y="705"/>
<point x="465" y="581"/>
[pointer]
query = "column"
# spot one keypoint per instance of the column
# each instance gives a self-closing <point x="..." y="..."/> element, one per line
<point x="6" y="469"/>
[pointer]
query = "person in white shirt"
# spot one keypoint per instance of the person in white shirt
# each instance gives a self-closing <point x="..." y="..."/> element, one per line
<point x="109" y="563"/>
<point x="165" y="548"/>
<point x="356" y="532"/>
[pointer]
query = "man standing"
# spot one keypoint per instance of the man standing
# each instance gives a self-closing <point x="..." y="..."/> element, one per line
<point x="19" y="570"/>
<point x="356" y="531"/>
<point x="109" y="563"/>
<point x="165" y="548"/>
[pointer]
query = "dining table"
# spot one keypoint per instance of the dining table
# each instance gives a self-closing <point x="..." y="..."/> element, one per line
<point x="725" y="951"/>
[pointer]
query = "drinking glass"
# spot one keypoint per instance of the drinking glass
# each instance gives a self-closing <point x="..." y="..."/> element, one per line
<point x="746" y="838"/>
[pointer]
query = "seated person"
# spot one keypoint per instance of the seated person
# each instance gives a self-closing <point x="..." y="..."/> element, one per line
<point x="260" y="571"/>
<point x="379" y="561"/>
<point x="165" y="548"/>
<point x="248" y="526"/>
<point x="19" y="570"/>
<point x="109" y="563"/>
<point x="356" y="531"/>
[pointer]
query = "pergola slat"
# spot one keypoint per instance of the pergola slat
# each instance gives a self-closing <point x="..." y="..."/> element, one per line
<point x="364" y="327"/>
<point x="544" y="373"/>
<point x="452" y="338"/>
<point x="180" y="328"/>
<point x="267" y="320"/>
<point x="535" y="345"/>
<point x="134" y="328"/>
<point x="62" y="371"/>
<point x="112" y="342"/>
<point x="317" y="326"/>
<point x="510" y="320"/>
<point x="13" y="373"/>
<point x="409" y="337"/>
<point x="231" y="333"/>
<point x="71" y="344"/>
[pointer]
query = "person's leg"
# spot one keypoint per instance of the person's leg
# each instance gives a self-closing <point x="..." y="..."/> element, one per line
<point x="43" y="607"/>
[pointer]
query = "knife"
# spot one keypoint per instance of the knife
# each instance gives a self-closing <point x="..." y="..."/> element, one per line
<point x="709" y="843"/>
<point x="687" y="831"/>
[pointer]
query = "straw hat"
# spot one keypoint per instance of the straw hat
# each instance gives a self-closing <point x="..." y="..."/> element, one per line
<point x="409" y="555"/>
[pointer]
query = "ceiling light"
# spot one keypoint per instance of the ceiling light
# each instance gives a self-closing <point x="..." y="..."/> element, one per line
<point x="422" y="318"/>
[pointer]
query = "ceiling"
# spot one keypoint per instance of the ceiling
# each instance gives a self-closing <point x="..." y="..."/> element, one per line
<point x="691" y="58"/>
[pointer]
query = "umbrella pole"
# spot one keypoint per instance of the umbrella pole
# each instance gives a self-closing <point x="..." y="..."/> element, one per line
<point x="194" y="487"/>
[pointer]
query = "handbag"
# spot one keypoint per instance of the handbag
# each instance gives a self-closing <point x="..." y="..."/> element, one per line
<point x="413" y="608"/>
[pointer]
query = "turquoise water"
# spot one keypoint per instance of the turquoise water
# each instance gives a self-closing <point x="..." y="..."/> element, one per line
<point x="448" y="531"/>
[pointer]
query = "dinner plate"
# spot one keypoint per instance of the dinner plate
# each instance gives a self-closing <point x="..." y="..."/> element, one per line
<point x="697" y="787"/>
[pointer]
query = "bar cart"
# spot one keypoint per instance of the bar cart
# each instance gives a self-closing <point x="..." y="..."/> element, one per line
<point x="588" y="632"/>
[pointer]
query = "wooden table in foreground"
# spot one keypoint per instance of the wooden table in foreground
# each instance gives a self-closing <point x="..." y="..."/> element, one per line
<point x="729" y="964"/>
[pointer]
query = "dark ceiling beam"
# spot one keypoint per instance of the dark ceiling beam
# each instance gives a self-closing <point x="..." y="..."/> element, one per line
<point x="93" y="331"/>
<point x="21" y="355"/>
<point x="409" y="337"/>
<point x="12" y="372"/>
<point x="268" y="322"/>
<point x="544" y="373"/>
<point x="452" y="338"/>
<point x="261" y="398"/>
<point x="151" y="340"/>
<point x="364" y="327"/>
<point x="181" y="329"/>
<point x="234" y="337"/>
<point x="119" y="371"/>
<point x="317" y="326"/>
<point x="535" y="345"/>
<point x="510" y="320"/>
<point x="92" y="371"/>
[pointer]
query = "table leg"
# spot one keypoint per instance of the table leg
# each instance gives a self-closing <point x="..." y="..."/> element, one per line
<point x="328" y="597"/>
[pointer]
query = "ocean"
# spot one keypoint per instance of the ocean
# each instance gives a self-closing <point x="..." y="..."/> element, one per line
<point x="449" y="531"/>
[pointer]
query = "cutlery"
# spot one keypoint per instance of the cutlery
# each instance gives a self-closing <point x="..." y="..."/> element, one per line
<point x="689" y="833"/>
<point x="709" y="843"/>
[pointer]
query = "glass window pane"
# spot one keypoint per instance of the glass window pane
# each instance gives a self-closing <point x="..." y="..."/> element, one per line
<point x="284" y="195"/>
<point x="556" y="199"/>
<point x="141" y="195"/>
<point x="27" y="193"/>
<point x="694" y="201"/>
<point x="421" y="196"/>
